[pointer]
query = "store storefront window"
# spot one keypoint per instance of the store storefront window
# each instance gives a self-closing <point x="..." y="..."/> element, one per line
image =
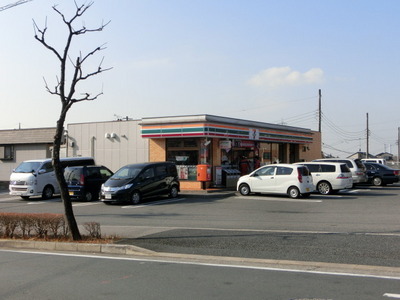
<point x="185" y="153"/>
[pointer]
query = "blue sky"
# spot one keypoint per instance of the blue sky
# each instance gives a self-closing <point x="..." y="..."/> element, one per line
<point x="255" y="60"/>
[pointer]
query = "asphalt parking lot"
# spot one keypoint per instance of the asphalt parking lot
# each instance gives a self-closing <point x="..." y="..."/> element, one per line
<point x="357" y="226"/>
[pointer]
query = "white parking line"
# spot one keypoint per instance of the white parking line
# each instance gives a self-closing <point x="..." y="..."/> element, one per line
<point x="154" y="203"/>
<point x="356" y="191"/>
<point x="44" y="202"/>
<point x="280" y="200"/>
<point x="8" y="199"/>
<point x="397" y="296"/>
<point x="86" y="204"/>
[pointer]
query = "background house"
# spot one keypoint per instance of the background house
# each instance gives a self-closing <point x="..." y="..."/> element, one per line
<point x="18" y="145"/>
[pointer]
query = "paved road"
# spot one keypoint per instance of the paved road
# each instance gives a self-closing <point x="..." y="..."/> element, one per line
<point x="313" y="238"/>
<point x="357" y="227"/>
<point x="41" y="276"/>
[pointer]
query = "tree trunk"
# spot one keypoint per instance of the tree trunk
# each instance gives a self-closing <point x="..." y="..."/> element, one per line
<point x="59" y="171"/>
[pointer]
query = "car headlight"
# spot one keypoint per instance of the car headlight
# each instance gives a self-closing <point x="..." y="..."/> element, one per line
<point x="128" y="186"/>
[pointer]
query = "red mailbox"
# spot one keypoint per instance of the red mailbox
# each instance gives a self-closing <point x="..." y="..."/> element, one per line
<point x="203" y="173"/>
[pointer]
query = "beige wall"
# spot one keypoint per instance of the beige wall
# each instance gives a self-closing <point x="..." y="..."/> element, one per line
<point x="88" y="139"/>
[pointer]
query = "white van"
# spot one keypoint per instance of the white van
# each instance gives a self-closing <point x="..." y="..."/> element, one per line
<point x="37" y="177"/>
<point x="357" y="168"/>
<point x="381" y="161"/>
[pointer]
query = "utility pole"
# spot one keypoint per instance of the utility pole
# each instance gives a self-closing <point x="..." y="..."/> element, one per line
<point x="367" y="153"/>
<point x="398" y="146"/>
<point x="319" y="112"/>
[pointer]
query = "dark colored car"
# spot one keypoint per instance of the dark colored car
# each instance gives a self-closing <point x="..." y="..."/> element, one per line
<point x="84" y="182"/>
<point x="133" y="182"/>
<point x="379" y="174"/>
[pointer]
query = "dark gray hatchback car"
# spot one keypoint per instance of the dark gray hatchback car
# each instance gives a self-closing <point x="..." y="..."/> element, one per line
<point x="84" y="182"/>
<point x="134" y="182"/>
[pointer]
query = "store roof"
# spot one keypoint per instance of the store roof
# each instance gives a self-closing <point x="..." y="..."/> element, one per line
<point x="222" y="127"/>
<point x="219" y="119"/>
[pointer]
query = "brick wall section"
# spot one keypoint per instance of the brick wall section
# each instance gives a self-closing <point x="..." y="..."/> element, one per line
<point x="157" y="150"/>
<point x="216" y="152"/>
<point x="314" y="150"/>
<point x="191" y="185"/>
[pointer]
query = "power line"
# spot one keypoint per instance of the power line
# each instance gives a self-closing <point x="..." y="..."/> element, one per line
<point x="13" y="4"/>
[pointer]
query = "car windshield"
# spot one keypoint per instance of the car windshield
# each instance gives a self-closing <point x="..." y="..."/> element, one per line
<point x="126" y="173"/>
<point x="27" y="167"/>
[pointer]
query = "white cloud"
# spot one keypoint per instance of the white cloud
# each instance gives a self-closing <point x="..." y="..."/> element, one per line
<point x="285" y="76"/>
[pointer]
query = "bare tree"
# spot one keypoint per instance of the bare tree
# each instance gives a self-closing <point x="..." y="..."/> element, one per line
<point x="65" y="89"/>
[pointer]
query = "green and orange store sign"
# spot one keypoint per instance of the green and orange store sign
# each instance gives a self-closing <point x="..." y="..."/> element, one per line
<point x="213" y="130"/>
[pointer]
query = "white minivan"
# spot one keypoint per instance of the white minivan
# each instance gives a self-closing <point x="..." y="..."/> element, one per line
<point x="381" y="161"/>
<point x="357" y="168"/>
<point x="293" y="180"/>
<point x="37" y="177"/>
<point x="329" y="177"/>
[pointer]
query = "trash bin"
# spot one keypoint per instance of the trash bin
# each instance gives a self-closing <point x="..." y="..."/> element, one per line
<point x="230" y="177"/>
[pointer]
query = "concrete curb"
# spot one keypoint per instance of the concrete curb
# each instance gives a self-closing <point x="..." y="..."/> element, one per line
<point x="76" y="247"/>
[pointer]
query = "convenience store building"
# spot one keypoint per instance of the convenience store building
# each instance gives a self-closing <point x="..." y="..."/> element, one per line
<point x="218" y="143"/>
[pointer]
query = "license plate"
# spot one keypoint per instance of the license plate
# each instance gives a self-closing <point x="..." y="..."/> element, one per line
<point x="307" y="189"/>
<point x="108" y="196"/>
<point x="71" y="193"/>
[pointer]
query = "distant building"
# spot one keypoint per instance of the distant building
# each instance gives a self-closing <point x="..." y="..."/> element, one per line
<point x="220" y="143"/>
<point x="386" y="155"/>
<point x="359" y="155"/>
<point x="18" y="145"/>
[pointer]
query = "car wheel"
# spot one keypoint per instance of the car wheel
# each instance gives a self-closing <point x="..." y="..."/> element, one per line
<point x="377" y="181"/>
<point x="293" y="192"/>
<point x="324" y="188"/>
<point x="88" y="196"/>
<point x="244" y="189"/>
<point x="136" y="197"/>
<point x="48" y="192"/>
<point x="173" y="192"/>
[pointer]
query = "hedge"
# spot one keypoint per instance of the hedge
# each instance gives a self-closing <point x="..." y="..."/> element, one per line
<point x="45" y="226"/>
